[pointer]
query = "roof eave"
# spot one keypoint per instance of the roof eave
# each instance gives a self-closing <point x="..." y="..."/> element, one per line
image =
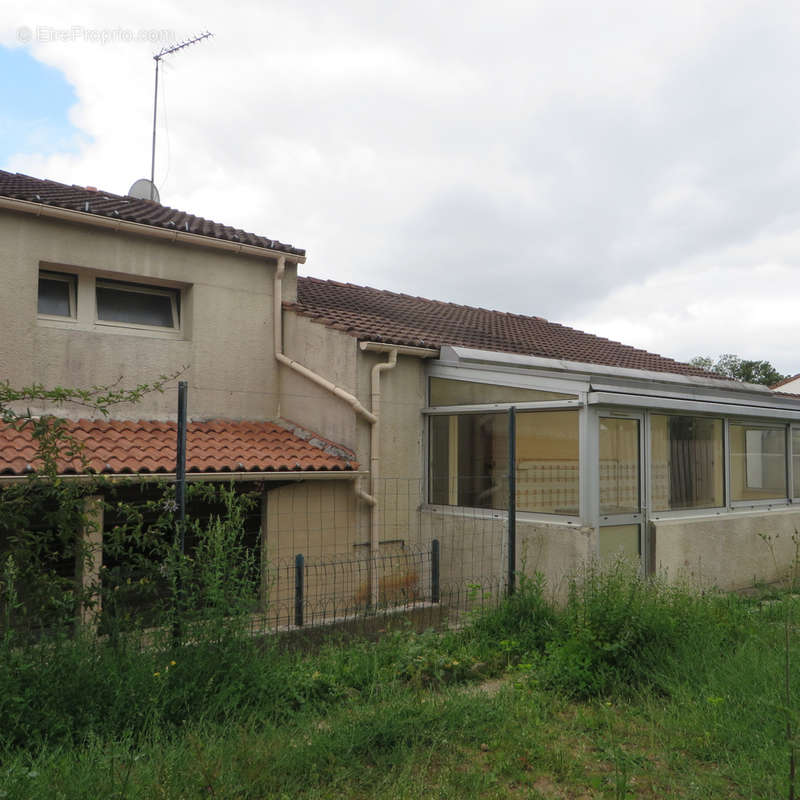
<point x="602" y="376"/>
<point x="116" y="224"/>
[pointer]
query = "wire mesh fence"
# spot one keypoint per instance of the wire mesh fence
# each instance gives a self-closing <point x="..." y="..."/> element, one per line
<point x="321" y="557"/>
<point x="328" y="560"/>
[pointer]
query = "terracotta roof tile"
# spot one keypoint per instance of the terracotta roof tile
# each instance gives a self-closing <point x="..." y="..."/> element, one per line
<point x="381" y="316"/>
<point x="131" y="209"/>
<point x="787" y="379"/>
<point x="217" y="446"/>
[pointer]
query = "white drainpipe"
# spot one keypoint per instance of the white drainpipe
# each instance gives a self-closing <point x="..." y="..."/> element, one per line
<point x="370" y="416"/>
<point x="375" y="471"/>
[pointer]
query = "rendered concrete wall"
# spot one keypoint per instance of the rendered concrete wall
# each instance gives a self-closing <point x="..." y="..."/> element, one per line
<point x="474" y="551"/>
<point x="226" y="342"/>
<point x="727" y="551"/>
<point x="333" y="355"/>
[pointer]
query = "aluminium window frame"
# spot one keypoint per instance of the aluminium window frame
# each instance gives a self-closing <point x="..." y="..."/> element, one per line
<point x="520" y="381"/>
<point x="772" y="502"/>
<point x="790" y="461"/>
<point x="618" y="395"/>
<point x="679" y="513"/>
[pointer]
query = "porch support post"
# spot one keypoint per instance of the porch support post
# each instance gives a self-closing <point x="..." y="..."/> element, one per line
<point x="89" y="560"/>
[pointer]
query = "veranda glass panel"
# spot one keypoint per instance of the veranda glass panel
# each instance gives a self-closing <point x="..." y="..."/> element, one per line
<point x="686" y="462"/>
<point x="619" y="466"/>
<point x="547" y="462"/>
<point x="469" y="460"/>
<point x="446" y="392"/>
<point x="758" y="462"/>
<point x="796" y="461"/>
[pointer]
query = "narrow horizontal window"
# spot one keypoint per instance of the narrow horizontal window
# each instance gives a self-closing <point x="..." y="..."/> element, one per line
<point x="56" y="295"/>
<point x="132" y="304"/>
<point x="686" y="462"/>
<point x="445" y="392"/>
<point x="758" y="462"/>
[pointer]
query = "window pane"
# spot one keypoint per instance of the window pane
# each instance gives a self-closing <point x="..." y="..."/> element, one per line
<point x="758" y="462"/>
<point x="137" y="308"/>
<point x="469" y="461"/>
<point x="686" y="462"/>
<point x="445" y="392"/>
<point x="619" y="466"/>
<point x="54" y="297"/>
<point x="547" y="462"/>
<point x="796" y="461"/>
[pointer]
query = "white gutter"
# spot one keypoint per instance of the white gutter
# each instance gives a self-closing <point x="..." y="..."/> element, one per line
<point x="115" y="224"/>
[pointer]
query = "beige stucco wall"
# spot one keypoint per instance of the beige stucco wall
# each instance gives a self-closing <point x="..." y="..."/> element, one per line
<point x="474" y="551"/>
<point x="226" y="344"/>
<point x="727" y="551"/>
<point x="336" y="356"/>
<point x="333" y="355"/>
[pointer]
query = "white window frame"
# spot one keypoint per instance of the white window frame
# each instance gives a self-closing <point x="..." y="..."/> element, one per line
<point x="137" y="288"/>
<point x="64" y="277"/>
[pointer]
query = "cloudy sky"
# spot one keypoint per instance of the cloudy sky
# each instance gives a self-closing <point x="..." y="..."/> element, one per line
<point x="630" y="169"/>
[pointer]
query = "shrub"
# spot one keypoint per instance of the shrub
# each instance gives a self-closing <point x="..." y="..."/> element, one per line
<point x="620" y="630"/>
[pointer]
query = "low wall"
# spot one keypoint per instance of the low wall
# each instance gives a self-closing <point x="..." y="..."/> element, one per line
<point x="727" y="551"/>
<point x="474" y="550"/>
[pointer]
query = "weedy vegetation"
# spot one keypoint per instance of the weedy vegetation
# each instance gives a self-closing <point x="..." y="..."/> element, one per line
<point x="632" y="688"/>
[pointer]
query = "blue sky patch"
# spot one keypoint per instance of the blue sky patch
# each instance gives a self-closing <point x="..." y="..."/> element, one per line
<point x="35" y="100"/>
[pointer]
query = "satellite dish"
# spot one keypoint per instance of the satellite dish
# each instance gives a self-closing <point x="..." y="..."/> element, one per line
<point x="144" y="189"/>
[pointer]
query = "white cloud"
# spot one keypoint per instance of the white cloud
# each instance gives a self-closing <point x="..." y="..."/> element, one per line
<point x="632" y="167"/>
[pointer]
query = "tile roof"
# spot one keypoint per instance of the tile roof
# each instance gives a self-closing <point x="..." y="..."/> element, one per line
<point x="131" y="209"/>
<point x="381" y="316"/>
<point x="787" y="379"/>
<point x="113" y="447"/>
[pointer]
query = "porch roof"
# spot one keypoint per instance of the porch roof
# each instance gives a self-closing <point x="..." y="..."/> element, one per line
<point x="147" y="447"/>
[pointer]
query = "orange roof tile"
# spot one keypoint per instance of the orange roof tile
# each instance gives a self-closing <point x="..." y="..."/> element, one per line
<point x="114" y="447"/>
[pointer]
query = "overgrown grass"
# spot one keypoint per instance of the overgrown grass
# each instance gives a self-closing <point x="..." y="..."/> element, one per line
<point x="634" y="689"/>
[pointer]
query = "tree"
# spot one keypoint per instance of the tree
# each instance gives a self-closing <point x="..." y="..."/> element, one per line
<point x="740" y="369"/>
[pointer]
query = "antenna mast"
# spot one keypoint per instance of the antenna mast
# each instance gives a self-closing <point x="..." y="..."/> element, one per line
<point x="165" y="51"/>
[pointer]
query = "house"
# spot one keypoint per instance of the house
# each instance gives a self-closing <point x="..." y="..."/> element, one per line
<point x="789" y="385"/>
<point x="396" y="409"/>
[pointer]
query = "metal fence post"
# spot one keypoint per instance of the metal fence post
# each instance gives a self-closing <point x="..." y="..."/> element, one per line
<point x="180" y="500"/>
<point x="512" y="499"/>
<point x="435" y="571"/>
<point x="180" y="462"/>
<point x="299" y="577"/>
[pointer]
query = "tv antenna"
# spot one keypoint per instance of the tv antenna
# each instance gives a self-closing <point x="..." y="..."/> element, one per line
<point x="166" y="51"/>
